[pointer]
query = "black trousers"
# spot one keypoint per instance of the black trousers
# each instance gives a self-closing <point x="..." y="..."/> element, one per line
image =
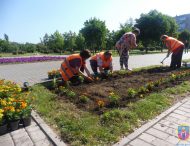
<point x="94" y="66"/>
<point x="176" y="58"/>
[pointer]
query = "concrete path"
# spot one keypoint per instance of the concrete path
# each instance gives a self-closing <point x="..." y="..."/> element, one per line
<point x="37" y="134"/>
<point x="163" y="130"/>
<point x="37" y="72"/>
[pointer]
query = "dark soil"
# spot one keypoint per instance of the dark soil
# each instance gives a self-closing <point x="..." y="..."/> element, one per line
<point x="119" y="84"/>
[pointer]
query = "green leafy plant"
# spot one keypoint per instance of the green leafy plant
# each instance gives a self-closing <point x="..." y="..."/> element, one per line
<point x="113" y="98"/>
<point x="157" y="83"/>
<point x="142" y="90"/>
<point x="150" y="86"/>
<point x="81" y="79"/>
<point x="173" y="77"/>
<point x="70" y="94"/>
<point x="26" y="112"/>
<point x="83" y="99"/>
<point x="131" y="92"/>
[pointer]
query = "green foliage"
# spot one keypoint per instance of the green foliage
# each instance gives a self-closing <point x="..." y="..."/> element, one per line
<point x="83" y="99"/>
<point x="112" y="116"/>
<point x="150" y="86"/>
<point x="113" y="98"/>
<point x="153" y="25"/>
<point x="142" y="90"/>
<point x="70" y="41"/>
<point x="80" y="42"/>
<point x="94" y="32"/>
<point x="184" y="36"/>
<point x="80" y="127"/>
<point x="54" y="42"/>
<point x="131" y="93"/>
<point x="70" y="94"/>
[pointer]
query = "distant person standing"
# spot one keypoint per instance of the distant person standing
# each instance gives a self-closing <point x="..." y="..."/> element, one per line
<point x="186" y="46"/>
<point x="125" y="43"/>
<point x="176" y="48"/>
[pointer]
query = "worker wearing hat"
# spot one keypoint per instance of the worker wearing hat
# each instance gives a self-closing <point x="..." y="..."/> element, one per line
<point x="176" y="48"/>
<point x="125" y="43"/>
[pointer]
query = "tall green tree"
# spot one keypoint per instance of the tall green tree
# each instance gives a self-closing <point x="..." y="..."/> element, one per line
<point x="80" y="42"/>
<point x="184" y="35"/>
<point x="94" y="32"/>
<point x="6" y="37"/>
<point x="54" y="42"/>
<point x="70" y="41"/>
<point x="153" y="25"/>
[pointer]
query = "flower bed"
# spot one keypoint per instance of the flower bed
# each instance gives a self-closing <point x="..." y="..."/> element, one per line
<point x="54" y="74"/>
<point x="101" y="112"/>
<point x="120" y="88"/>
<point x="30" y="59"/>
<point x="15" y="107"/>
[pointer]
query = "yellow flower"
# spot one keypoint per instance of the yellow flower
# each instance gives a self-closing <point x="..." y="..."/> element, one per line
<point x="3" y="102"/>
<point x="1" y="110"/>
<point x="111" y="93"/>
<point x="17" y="110"/>
<point x="12" y="109"/>
<point x="101" y="103"/>
<point x="1" y="116"/>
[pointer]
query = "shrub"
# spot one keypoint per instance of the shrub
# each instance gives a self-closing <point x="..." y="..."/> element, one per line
<point x="70" y="93"/>
<point x="157" y="83"/>
<point x="131" y="92"/>
<point x="113" y="98"/>
<point x="83" y="99"/>
<point x="150" y="86"/>
<point x="142" y="90"/>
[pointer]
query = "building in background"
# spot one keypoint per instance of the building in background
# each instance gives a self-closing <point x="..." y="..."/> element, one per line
<point x="183" y="21"/>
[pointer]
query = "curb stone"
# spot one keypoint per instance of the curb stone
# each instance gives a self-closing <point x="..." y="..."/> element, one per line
<point x="56" y="140"/>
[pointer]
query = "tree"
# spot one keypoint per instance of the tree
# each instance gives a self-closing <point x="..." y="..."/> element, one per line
<point x="54" y="42"/>
<point x="4" y="45"/>
<point x="80" y="42"/>
<point x="70" y="41"/>
<point x="6" y="37"/>
<point x="184" y="35"/>
<point x="153" y="25"/>
<point x="94" y="32"/>
<point x="110" y="41"/>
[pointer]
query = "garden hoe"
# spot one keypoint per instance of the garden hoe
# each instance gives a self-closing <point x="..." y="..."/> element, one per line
<point x="163" y="60"/>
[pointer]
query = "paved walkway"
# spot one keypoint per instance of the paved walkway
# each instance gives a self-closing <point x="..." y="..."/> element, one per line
<point x="163" y="130"/>
<point x="28" y="136"/>
<point x="37" y="72"/>
<point x="37" y="134"/>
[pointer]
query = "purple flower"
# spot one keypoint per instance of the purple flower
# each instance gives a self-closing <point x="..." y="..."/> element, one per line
<point x="30" y="59"/>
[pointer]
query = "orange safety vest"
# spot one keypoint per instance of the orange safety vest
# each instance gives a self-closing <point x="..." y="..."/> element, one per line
<point x="174" y="44"/>
<point x="105" y="63"/>
<point x="66" y="70"/>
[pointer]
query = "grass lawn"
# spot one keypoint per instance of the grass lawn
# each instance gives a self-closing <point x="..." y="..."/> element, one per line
<point x="82" y="127"/>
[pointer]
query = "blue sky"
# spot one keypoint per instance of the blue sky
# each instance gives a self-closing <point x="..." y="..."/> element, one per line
<point x="28" y="20"/>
